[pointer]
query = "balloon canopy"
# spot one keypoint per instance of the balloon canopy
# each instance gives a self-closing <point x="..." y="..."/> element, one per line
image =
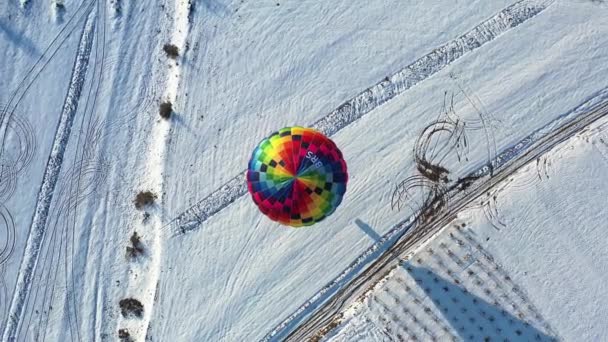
<point x="297" y="176"/>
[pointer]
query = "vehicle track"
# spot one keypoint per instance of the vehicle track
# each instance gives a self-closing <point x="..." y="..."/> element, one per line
<point x="7" y="248"/>
<point x="78" y="183"/>
<point x="54" y="250"/>
<point x="373" y="97"/>
<point x="7" y="223"/>
<point x="50" y="178"/>
<point x="413" y="232"/>
<point x="8" y="111"/>
<point x="11" y="123"/>
<point x="54" y="291"/>
<point x="15" y="159"/>
<point x="82" y="163"/>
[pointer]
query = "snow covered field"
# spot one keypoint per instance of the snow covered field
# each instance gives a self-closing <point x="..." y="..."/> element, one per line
<point x="82" y="81"/>
<point x="468" y="283"/>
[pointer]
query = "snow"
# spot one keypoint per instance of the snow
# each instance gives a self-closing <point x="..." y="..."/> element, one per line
<point x="557" y="228"/>
<point x="531" y="261"/>
<point x="81" y="87"/>
<point x="307" y="268"/>
<point x="49" y="180"/>
<point x="375" y="96"/>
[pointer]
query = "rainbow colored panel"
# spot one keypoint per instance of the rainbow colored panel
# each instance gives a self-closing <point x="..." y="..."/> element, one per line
<point x="297" y="176"/>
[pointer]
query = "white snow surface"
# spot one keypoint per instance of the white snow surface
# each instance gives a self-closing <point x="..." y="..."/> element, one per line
<point x="540" y="259"/>
<point x="81" y="85"/>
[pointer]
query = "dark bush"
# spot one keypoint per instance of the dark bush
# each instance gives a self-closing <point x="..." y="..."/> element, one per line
<point x="166" y="108"/>
<point x="171" y="50"/>
<point x="136" y="248"/>
<point x="124" y="336"/>
<point x="144" y="199"/>
<point x="130" y="307"/>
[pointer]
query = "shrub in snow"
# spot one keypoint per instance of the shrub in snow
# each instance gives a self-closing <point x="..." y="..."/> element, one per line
<point x="171" y="50"/>
<point x="130" y="308"/>
<point x="144" y="198"/>
<point x="166" y="108"/>
<point x="124" y="336"/>
<point x="137" y="248"/>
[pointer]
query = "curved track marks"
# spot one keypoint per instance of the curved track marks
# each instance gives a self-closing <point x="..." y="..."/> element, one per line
<point x="373" y="97"/>
<point x="7" y="247"/>
<point x="50" y="178"/>
<point x="413" y="232"/>
<point x="17" y="154"/>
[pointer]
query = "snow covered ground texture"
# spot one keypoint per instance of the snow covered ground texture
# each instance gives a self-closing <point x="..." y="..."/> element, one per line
<point x="469" y="284"/>
<point x="524" y="81"/>
<point x="80" y="89"/>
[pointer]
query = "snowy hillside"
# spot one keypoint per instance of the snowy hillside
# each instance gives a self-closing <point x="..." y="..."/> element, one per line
<point x="127" y="126"/>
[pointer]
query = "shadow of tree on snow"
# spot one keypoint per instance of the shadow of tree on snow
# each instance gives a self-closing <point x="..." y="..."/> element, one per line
<point x="473" y="318"/>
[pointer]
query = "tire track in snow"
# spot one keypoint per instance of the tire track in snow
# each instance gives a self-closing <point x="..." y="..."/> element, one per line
<point x="39" y="66"/>
<point x="7" y="246"/>
<point x="49" y="180"/>
<point x="373" y="97"/>
<point x="90" y="171"/>
<point x="77" y="182"/>
<point x="11" y="165"/>
<point x="370" y="266"/>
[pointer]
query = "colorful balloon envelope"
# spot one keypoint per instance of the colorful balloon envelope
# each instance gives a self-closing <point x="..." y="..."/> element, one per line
<point x="297" y="176"/>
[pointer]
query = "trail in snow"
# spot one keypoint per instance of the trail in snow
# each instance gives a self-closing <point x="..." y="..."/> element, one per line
<point x="50" y="178"/>
<point x="11" y="166"/>
<point x="374" y="97"/>
<point x="88" y="173"/>
<point x="8" y="223"/>
<point x="317" y="311"/>
<point x="145" y="284"/>
<point x="45" y="58"/>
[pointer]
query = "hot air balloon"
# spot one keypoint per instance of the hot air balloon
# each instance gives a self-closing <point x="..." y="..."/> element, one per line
<point x="297" y="176"/>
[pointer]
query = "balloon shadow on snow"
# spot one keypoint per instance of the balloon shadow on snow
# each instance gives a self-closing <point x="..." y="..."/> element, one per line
<point x="367" y="229"/>
<point x="471" y="317"/>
